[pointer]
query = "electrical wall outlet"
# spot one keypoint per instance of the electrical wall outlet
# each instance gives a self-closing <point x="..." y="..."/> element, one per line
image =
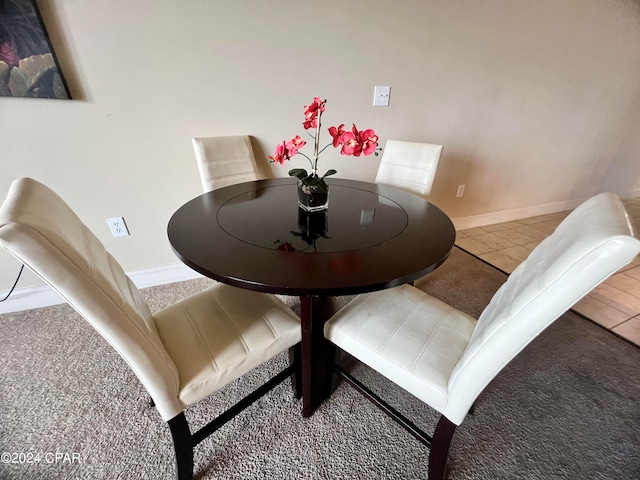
<point x="460" y="191"/>
<point x="381" y="96"/>
<point x="118" y="227"/>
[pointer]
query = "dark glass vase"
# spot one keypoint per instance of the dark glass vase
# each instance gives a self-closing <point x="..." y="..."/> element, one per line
<point x="313" y="197"/>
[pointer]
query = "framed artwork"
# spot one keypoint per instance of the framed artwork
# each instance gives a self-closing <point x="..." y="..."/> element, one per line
<point x="28" y="65"/>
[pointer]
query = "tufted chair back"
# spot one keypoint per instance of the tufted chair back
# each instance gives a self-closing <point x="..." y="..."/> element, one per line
<point x="40" y="229"/>
<point x="224" y="161"/>
<point x="591" y="244"/>
<point x="409" y="165"/>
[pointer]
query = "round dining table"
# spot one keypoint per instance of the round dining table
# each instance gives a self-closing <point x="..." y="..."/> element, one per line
<point x="253" y="235"/>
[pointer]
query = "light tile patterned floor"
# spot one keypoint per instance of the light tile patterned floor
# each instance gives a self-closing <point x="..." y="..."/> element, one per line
<point x="615" y="304"/>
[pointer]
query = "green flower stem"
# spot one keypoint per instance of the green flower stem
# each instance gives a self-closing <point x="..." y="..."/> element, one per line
<point x="307" y="157"/>
<point x="316" y="145"/>
<point x="324" y="148"/>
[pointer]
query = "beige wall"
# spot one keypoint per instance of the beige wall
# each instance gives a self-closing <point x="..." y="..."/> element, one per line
<point x="536" y="102"/>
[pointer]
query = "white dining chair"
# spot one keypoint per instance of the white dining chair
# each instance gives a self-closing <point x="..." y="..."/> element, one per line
<point x="445" y="357"/>
<point x="224" y="161"/>
<point x="181" y="354"/>
<point x="411" y="166"/>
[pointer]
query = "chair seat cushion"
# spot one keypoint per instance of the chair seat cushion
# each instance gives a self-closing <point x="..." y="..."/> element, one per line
<point x="221" y="333"/>
<point x="413" y="339"/>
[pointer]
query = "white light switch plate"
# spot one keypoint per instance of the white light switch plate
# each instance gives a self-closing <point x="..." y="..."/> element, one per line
<point x="381" y="96"/>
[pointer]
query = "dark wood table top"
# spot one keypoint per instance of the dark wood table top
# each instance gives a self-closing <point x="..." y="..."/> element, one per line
<point x="253" y="235"/>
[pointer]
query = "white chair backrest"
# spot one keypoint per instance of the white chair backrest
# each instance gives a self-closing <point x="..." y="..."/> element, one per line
<point x="592" y="243"/>
<point x="40" y="229"/>
<point x="224" y="161"/>
<point x="409" y="165"/>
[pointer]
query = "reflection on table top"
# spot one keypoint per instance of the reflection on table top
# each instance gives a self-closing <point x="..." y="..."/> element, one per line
<point x="363" y="219"/>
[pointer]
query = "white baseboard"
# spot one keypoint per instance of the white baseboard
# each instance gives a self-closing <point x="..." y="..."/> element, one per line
<point x="44" y="296"/>
<point x="150" y="277"/>
<point x="462" y="223"/>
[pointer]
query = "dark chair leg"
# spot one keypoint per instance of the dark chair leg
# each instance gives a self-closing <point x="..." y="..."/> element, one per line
<point x="184" y="441"/>
<point x="295" y="359"/>
<point x="183" y="444"/>
<point x="330" y="381"/>
<point x="440" y="448"/>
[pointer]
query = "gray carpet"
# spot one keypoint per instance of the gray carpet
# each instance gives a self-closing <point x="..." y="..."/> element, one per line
<point x="566" y="408"/>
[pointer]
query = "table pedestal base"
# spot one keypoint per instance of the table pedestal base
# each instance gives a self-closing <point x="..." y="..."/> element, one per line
<point x="314" y="312"/>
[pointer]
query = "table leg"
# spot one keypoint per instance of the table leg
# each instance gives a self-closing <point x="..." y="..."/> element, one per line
<point x="312" y="319"/>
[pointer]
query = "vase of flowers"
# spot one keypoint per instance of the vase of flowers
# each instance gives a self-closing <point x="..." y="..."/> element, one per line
<point x="313" y="190"/>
